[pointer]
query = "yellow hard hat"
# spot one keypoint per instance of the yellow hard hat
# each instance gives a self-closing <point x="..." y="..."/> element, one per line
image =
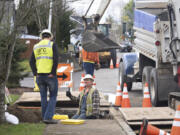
<point x="46" y="31"/>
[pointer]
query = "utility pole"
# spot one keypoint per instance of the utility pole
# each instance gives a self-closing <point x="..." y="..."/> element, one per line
<point x="50" y="15"/>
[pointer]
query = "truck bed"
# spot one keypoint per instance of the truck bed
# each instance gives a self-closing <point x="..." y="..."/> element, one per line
<point x="146" y="36"/>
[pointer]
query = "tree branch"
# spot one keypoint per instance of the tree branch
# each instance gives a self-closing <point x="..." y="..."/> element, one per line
<point x="2" y="9"/>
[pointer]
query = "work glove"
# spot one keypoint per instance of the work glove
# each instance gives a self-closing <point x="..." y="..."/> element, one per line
<point x="68" y="93"/>
<point x="97" y="66"/>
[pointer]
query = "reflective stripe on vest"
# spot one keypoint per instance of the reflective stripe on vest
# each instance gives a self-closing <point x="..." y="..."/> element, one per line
<point x="44" y="56"/>
<point x="89" y="105"/>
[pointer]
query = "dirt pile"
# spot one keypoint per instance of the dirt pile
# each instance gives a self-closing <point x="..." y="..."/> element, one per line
<point x="25" y="115"/>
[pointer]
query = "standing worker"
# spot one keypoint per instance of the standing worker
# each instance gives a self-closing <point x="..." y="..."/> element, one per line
<point x="43" y="62"/>
<point x="89" y="100"/>
<point x="89" y="60"/>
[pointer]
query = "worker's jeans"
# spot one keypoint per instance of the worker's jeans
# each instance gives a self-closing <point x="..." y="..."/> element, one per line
<point x="89" y="68"/>
<point x="46" y="83"/>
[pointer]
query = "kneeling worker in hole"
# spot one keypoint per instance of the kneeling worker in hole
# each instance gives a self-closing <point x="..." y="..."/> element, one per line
<point x="89" y="100"/>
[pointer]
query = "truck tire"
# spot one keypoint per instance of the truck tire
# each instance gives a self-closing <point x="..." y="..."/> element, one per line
<point x="124" y="78"/>
<point x="146" y="76"/>
<point x="154" y="83"/>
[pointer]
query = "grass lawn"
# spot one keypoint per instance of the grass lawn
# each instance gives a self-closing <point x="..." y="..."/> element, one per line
<point x="22" y="129"/>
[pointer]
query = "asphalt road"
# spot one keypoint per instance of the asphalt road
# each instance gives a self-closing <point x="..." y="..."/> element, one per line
<point x="106" y="81"/>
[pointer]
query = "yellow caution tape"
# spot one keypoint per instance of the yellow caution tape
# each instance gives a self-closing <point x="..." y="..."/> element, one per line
<point x="72" y="121"/>
<point x="60" y="117"/>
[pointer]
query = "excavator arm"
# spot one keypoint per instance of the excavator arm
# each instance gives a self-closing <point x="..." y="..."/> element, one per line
<point x="92" y="40"/>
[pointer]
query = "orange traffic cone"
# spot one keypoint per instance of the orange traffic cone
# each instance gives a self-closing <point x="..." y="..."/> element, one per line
<point x="111" y="64"/>
<point x="175" y="130"/>
<point x="146" y="99"/>
<point x="148" y="129"/>
<point x="117" y="62"/>
<point x="125" y="97"/>
<point x="118" y="100"/>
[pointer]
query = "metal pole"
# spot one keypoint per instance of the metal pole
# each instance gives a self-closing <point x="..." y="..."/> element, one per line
<point x="50" y="15"/>
<point x="89" y="7"/>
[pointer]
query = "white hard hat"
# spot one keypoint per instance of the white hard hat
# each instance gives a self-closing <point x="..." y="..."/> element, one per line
<point x="46" y="31"/>
<point x="88" y="76"/>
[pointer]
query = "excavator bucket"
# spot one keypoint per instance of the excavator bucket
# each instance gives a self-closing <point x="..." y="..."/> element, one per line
<point x="97" y="42"/>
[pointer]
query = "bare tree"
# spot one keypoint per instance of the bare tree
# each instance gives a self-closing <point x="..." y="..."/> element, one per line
<point x="9" y="34"/>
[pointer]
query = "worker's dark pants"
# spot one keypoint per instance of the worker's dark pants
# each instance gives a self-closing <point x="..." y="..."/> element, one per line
<point x="89" y="68"/>
<point x="48" y="107"/>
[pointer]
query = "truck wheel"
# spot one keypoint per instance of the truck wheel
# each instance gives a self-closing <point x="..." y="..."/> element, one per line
<point x="123" y="78"/>
<point x="146" y="76"/>
<point x="154" y="87"/>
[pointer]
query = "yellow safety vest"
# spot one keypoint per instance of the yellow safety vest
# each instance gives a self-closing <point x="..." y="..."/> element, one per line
<point x="43" y="52"/>
<point x="89" y="105"/>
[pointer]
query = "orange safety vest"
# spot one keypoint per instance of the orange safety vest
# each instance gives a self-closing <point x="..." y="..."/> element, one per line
<point x="91" y="57"/>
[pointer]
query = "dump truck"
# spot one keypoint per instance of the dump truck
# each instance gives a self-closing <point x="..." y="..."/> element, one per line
<point x="156" y="56"/>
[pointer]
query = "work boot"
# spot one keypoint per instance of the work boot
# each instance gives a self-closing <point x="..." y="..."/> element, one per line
<point x="50" y="121"/>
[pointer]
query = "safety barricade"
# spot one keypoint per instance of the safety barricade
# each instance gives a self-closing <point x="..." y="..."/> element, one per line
<point x="64" y="74"/>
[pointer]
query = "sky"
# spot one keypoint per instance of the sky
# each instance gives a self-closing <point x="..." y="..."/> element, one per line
<point x="114" y="9"/>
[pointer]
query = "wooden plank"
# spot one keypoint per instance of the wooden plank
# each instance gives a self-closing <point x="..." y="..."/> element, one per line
<point x="154" y="113"/>
<point x="125" y="128"/>
<point x="35" y="97"/>
<point x="151" y="122"/>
